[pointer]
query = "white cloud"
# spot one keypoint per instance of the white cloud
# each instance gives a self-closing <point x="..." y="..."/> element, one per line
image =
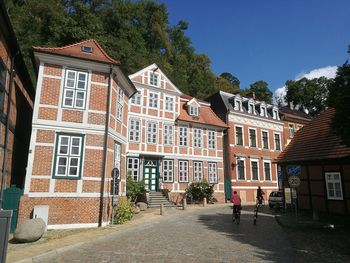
<point x="328" y="72"/>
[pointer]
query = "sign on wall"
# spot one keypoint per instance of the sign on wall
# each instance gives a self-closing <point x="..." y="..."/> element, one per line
<point x="294" y="181"/>
<point x="293" y="170"/>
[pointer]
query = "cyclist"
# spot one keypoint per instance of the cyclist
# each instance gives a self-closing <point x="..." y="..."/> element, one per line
<point x="259" y="195"/>
<point x="236" y="200"/>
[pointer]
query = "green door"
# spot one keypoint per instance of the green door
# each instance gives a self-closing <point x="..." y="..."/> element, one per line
<point x="150" y="174"/>
<point x="12" y="196"/>
<point x="228" y="189"/>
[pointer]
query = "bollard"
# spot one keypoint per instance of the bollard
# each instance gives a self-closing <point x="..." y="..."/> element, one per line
<point x="161" y="209"/>
<point x="184" y="204"/>
<point x="204" y="201"/>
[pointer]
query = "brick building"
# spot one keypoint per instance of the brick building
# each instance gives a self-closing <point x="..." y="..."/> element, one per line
<point x="325" y="166"/>
<point x="79" y="135"/>
<point x="253" y="141"/>
<point x="16" y="107"/>
<point x="174" y="139"/>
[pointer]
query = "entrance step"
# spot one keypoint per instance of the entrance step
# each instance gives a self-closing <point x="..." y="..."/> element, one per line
<point x="157" y="198"/>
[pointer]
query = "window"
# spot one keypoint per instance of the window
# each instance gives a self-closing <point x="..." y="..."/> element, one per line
<point x="211" y="140"/>
<point x="153" y="79"/>
<point x="168" y="132"/>
<point x="153" y="100"/>
<point x="133" y="168"/>
<point x="120" y="104"/>
<point x="87" y="49"/>
<point x="212" y="173"/>
<point x="152" y="130"/>
<point x="251" y="108"/>
<point x="239" y="135"/>
<point x="3" y="74"/>
<point x="68" y="155"/>
<point x="168" y="168"/>
<point x="74" y="92"/>
<point x="238" y="105"/>
<point x="267" y="171"/>
<point x="252" y="138"/>
<point x="263" y="111"/>
<point x="183" y="171"/>
<point x="240" y="170"/>
<point x="255" y="170"/>
<point x="197" y="171"/>
<point x="197" y="138"/>
<point x="275" y="114"/>
<point x="334" y="186"/>
<point x="136" y="99"/>
<point x="134" y="130"/>
<point x="117" y="154"/>
<point x="291" y="130"/>
<point x="194" y="111"/>
<point x="265" y="139"/>
<point x="277" y="142"/>
<point x="183" y="135"/>
<point x="169" y="103"/>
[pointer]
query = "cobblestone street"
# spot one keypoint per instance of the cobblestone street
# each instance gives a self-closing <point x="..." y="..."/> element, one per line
<point x="205" y="235"/>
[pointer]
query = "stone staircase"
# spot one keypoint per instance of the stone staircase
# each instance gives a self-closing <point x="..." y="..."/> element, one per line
<point x="157" y="198"/>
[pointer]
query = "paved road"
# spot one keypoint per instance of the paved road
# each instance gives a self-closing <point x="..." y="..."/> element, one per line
<point x="203" y="235"/>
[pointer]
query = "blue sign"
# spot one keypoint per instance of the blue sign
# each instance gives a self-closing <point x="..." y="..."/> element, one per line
<point x="293" y="169"/>
<point x="280" y="175"/>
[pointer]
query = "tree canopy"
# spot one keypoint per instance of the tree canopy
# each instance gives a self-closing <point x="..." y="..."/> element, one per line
<point x="260" y="89"/>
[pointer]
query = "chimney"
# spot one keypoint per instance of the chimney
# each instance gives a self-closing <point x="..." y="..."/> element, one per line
<point x="253" y="95"/>
<point x="291" y="106"/>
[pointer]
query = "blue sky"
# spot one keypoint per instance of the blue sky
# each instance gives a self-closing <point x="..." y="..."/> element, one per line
<point x="271" y="40"/>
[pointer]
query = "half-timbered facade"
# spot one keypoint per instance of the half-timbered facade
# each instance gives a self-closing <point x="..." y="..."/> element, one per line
<point x="79" y="135"/>
<point x="174" y="139"/>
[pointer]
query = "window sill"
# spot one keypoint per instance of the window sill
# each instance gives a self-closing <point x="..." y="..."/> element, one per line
<point x="66" y="177"/>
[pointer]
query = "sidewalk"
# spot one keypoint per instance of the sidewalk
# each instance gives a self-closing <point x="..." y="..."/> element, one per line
<point x="54" y="241"/>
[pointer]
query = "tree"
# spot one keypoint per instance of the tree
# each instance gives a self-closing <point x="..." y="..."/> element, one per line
<point x="260" y="89"/>
<point x="308" y="94"/>
<point x="224" y="85"/>
<point x="230" y="78"/>
<point x="339" y="98"/>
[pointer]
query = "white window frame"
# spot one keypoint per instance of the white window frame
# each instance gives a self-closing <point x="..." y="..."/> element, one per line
<point x="262" y="140"/>
<point x="167" y="104"/>
<point x="153" y="98"/>
<point x="263" y="111"/>
<point x="136" y="99"/>
<point x="152" y="135"/>
<point x="183" y="168"/>
<point x="198" y="171"/>
<point x="68" y="155"/>
<point x="251" y="108"/>
<point x="238" y="105"/>
<point x="274" y="141"/>
<point x="168" y="134"/>
<point x="193" y="110"/>
<point x="291" y="130"/>
<point x="264" y="171"/>
<point x="117" y="155"/>
<point x="197" y="138"/>
<point x="120" y="104"/>
<point x="150" y="78"/>
<point x="212" y="173"/>
<point x="275" y="114"/>
<point x="238" y="126"/>
<point x="256" y="137"/>
<point x="251" y="169"/>
<point x="334" y="182"/>
<point x="168" y="171"/>
<point x="74" y="89"/>
<point x="244" y="168"/>
<point x="211" y="135"/>
<point x="133" y="171"/>
<point x="183" y="136"/>
<point x="134" y="133"/>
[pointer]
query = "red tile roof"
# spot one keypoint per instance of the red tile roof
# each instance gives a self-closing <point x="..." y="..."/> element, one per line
<point x="315" y="141"/>
<point x="206" y="115"/>
<point x="74" y="50"/>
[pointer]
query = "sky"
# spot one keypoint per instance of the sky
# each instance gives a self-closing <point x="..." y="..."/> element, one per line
<point x="270" y="40"/>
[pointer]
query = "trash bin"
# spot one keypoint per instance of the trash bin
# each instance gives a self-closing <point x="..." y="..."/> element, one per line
<point x="5" y="222"/>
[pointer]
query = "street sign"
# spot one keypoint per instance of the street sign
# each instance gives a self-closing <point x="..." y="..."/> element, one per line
<point x="294" y="181"/>
<point x="293" y="169"/>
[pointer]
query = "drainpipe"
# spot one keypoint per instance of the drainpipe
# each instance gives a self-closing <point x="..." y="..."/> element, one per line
<point x="4" y="172"/>
<point x="105" y="149"/>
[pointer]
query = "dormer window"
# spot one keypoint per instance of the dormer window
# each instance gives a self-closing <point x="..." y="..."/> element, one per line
<point x="238" y="105"/>
<point x="87" y="49"/>
<point x="193" y="110"/>
<point x="275" y="114"/>
<point x="263" y="111"/>
<point x="251" y="108"/>
<point x="153" y="79"/>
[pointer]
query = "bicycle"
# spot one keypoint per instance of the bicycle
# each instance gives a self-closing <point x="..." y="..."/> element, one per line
<point x="259" y="202"/>
<point x="236" y="215"/>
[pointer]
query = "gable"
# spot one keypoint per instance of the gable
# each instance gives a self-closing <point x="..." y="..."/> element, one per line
<point x="153" y="76"/>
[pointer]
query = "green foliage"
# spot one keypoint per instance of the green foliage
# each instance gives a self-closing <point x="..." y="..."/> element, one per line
<point x="133" y="188"/>
<point x="198" y="190"/>
<point x="339" y="99"/>
<point x="309" y="94"/>
<point x="227" y="82"/>
<point x="124" y="211"/>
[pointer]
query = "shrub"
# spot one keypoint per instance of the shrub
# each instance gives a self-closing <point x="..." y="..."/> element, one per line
<point x="124" y="211"/>
<point x="133" y="188"/>
<point x="198" y="190"/>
